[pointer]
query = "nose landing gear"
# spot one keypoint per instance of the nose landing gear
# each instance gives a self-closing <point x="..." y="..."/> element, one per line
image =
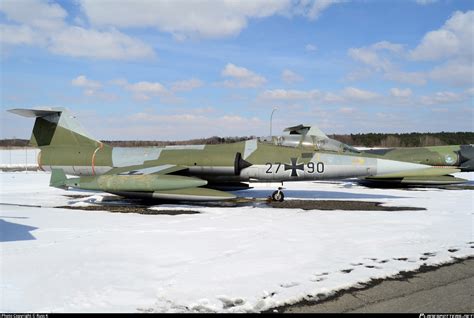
<point x="278" y="195"/>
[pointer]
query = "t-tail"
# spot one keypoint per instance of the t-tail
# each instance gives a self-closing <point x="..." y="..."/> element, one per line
<point x="56" y="127"/>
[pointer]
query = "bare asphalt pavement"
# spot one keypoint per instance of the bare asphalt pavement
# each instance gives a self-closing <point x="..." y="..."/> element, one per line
<point x="448" y="288"/>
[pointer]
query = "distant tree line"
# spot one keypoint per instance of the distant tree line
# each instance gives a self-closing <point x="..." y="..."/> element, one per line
<point x="200" y="141"/>
<point x="14" y="142"/>
<point x="407" y="139"/>
<point x="362" y="140"/>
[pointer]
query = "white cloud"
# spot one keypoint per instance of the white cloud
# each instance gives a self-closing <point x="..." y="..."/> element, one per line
<point x="203" y="110"/>
<point x="18" y="35"/>
<point x="452" y="44"/>
<point x="92" y="88"/>
<point x="457" y="72"/>
<point x="385" y="45"/>
<point x="453" y="39"/>
<point x="242" y="77"/>
<point x="346" y="110"/>
<point x="415" y="78"/>
<point x="83" y="81"/>
<point x="442" y="98"/>
<point x="186" y="85"/>
<point x="185" y="124"/>
<point x="119" y="82"/>
<point x="145" y="90"/>
<point x="181" y="17"/>
<point x="142" y="90"/>
<point x="43" y="24"/>
<point x="378" y="57"/>
<point x="440" y="110"/>
<point x="347" y="95"/>
<point x="425" y="2"/>
<point x="406" y="97"/>
<point x="207" y="18"/>
<point x="353" y="93"/>
<point x="359" y="74"/>
<point x="311" y="47"/>
<point x="332" y="98"/>
<point x="289" y="77"/>
<point x="36" y="13"/>
<point x="80" y="42"/>
<point x="283" y="94"/>
<point x="371" y="55"/>
<point x="399" y="92"/>
<point x="312" y="9"/>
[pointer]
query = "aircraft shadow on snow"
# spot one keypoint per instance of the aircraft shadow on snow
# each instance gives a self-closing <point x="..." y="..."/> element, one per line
<point x="10" y="232"/>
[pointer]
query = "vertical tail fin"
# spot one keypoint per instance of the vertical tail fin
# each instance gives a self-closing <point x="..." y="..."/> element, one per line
<point x="56" y="127"/>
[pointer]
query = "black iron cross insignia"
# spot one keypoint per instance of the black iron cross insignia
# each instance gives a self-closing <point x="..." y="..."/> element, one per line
<point x="294" y="166"/>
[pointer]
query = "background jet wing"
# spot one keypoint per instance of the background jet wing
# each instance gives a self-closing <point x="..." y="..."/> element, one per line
<point x="428" y="172"/>
<point x="413" y="181"/>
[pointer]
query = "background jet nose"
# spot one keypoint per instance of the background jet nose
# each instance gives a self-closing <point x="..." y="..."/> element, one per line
<point x="466" y="157"/>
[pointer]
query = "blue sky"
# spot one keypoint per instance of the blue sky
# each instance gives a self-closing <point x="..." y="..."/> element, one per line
<point x="184" y="69"/>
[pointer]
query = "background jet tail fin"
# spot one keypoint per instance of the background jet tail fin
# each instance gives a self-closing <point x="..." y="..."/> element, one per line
<point x="58" y="179"/>
<point x="315" y="131"/>
<point x="56" y="127"/>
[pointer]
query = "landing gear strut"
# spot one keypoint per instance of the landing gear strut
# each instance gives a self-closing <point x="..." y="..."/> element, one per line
<point x="278" y="195"/>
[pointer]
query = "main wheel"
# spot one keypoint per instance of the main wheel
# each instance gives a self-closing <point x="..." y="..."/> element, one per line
<point x="278" y="196"/>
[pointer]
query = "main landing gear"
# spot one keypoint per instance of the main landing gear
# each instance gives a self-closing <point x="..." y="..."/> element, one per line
<point x="278" y="195"/>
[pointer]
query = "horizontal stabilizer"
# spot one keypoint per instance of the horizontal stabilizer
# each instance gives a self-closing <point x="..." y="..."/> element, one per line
<point x="35" y="112"/>
<point x="58" y="179"/>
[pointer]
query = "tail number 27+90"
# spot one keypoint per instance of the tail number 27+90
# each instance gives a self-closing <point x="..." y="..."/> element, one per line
<point x="311" y="167"/>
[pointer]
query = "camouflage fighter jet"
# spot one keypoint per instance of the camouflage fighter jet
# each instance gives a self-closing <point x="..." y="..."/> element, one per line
<point x="196" y="172"/>
<point x="445" y="160"/>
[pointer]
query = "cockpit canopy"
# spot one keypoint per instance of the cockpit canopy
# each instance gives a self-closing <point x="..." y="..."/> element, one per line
<point x="308" y="137"/>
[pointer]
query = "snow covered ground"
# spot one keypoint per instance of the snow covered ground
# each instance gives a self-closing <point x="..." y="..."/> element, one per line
<point x="223" y="259"/>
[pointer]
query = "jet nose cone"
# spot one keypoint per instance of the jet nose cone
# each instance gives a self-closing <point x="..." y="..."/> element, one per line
<point x="466" y="157"/>
<point x="389" y="167"/>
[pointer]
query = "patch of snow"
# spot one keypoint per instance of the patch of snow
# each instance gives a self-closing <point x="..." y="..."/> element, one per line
<point x="241" y="259"/>
<point x="18" y="157"/>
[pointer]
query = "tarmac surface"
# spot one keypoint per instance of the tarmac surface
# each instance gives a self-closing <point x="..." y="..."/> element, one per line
<point x="445" y="289"/>
<point x="122" y="205"/>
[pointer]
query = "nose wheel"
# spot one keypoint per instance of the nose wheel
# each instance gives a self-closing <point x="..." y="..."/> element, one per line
<point x="278" y="195"/>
